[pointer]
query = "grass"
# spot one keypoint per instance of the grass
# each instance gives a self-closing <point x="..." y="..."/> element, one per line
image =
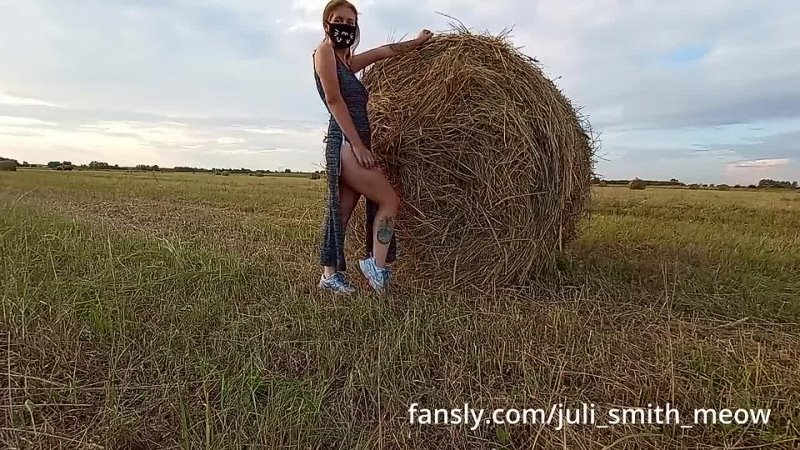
<point x="180" y="311"/>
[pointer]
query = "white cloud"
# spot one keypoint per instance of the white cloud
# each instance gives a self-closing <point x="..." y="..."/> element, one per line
<point x="303" y="25"/>
<point x="750" y="172"/>
<point x="24" y="122"/>
<point x="657" y="78"/>
<point x="762" y="163"/>
<point x="227" y="140"/>
<point x="264" y="130"/>
<point x="165" y="133"/>
<point x="14" y="100"/>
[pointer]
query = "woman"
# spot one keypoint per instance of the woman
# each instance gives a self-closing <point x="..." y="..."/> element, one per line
<point x="351" y="168"/>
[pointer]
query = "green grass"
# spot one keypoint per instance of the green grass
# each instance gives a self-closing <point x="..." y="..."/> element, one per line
<point x="180" y="311"/>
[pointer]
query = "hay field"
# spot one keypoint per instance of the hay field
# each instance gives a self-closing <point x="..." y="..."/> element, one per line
<point x="179" y="311"/>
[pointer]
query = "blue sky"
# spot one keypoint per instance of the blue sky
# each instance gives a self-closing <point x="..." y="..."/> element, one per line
<point x="700" y="91"/>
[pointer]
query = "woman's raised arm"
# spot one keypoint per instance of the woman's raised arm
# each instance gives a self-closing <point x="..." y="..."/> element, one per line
<point x="363" y="60"/>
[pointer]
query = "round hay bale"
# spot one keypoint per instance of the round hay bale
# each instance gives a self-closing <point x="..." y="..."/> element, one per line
<point x="8" y="166"/>
<point x="637" y="185"/>
<point x="491" y="160"/>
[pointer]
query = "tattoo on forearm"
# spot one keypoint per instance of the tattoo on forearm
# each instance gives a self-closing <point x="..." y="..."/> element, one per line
<point x="386" y="230"/>
<point x="402" y="47"/>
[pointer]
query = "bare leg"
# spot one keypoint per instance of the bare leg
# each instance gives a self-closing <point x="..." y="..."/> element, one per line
<point x="348" y="199"/>
<point x="373" y="184"/>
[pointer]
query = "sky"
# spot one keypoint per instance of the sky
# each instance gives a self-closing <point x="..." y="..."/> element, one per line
<point x="702" y="91"/>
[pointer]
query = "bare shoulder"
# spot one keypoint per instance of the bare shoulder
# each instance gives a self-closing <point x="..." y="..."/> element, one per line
<point x="323" y="51"/>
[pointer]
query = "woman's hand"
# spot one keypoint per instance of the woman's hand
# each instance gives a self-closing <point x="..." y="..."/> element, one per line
<point x="424" y="36"/>
<point x="364" y="156"/>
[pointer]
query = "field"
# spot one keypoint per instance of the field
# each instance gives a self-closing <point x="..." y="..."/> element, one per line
<point x="144" y="310"/>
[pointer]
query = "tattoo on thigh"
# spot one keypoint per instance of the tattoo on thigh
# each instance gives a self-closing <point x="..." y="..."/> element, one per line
<point x="386" y="230"/>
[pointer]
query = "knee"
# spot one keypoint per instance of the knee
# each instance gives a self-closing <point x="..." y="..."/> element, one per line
<point x="392" y="203"/>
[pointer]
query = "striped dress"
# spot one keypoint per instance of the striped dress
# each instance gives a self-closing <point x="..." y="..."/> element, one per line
<point x="355" y="95"/>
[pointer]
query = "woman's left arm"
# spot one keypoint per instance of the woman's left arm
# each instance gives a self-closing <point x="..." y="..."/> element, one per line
<point x="363" y="60"/>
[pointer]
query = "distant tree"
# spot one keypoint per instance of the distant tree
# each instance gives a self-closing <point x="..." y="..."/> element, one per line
<point x="794" y="184"/>
<point x="98" y="165"/>
<point x="737" y="186"/>
<point x="752" y="186"/>
<point x="53" y="164"/>
<point x="776" y="184"/>
<point x="674" y="181"/>
<point x="287" y="171"/>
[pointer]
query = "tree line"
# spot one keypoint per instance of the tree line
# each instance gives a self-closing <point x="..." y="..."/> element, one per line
<point x="762" y="184"/>
<point x="100" y="165"/>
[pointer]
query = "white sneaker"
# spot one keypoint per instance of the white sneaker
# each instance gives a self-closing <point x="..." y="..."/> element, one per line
<point x="336" y="283"/>
<point x="378" y="277"/>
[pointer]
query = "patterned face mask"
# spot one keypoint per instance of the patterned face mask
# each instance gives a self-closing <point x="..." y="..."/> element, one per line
<point x="342" y="35"/>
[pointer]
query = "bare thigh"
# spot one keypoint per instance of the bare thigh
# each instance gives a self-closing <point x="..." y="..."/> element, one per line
<point x="371" y="183"/>
<point x="348" y="199"/>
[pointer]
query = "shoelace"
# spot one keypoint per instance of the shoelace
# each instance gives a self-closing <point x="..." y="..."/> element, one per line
<point x="338" y="279"/>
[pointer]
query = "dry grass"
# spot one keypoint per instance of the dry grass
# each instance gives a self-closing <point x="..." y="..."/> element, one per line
<point x="179" y="311"/>
<point x="492" y="161"/>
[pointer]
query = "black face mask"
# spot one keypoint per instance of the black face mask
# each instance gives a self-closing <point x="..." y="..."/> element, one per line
<point x="342" y="35"/>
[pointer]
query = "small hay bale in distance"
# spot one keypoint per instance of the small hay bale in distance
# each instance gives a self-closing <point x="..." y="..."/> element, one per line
<point x="8" y="166"/>
<point x="637" y="185"/>
<point x="492" y="162"/>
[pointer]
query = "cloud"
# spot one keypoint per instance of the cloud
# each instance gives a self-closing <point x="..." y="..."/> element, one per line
<point x="166" y="142"/>
<point x="669" y="84"/>
<point x="761" y="163"/>
<point x="226" y="140"/>
<point x="14" y="100"/>
<point x="750" y="172"/>
<point x="264" y="130"/>
<point x="252" y="151"/>
<point x="24" y="122"/>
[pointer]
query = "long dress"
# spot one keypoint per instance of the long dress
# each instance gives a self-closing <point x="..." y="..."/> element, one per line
<point x="355" y="96"/>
